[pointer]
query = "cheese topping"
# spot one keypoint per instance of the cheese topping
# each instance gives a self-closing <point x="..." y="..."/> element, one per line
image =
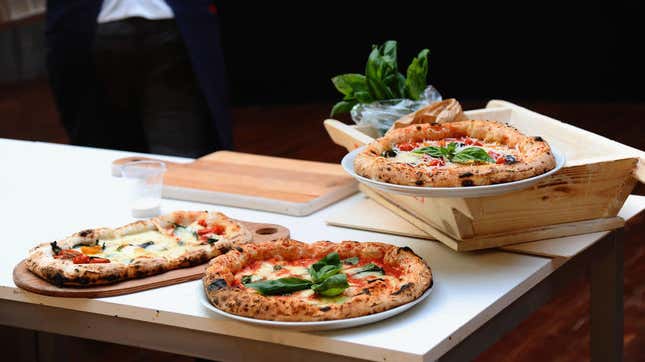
<point x="169" y="244"/>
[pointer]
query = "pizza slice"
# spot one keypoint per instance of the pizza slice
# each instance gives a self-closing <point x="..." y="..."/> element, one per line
<point x="143" y="248"/>
<point x="287" y="280"/>
<point x="463" y="153"/>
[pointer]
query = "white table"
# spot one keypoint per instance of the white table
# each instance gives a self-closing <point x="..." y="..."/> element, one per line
<point x="48" y="191"/>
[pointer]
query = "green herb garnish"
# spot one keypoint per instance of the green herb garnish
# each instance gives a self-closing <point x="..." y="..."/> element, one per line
<point x="279" y="286"/>
<point x="466" y="155"/>
<point x="325" y="267"/>
<point x="212" y="240"/>
<point x="382" y="79"/>
<point x="332" y="286"/>
<point x="371" y="267"/>
<point x="472" y="154"/>
<point x="55" y="248"/>
<point x="350" y="261"/>
<point x="247" y="279"/>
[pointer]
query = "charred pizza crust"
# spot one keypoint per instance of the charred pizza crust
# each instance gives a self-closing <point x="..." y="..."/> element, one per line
<point x="535" y="156"/>
<point x="63" y="272"/>
<point x="226" y="293"/>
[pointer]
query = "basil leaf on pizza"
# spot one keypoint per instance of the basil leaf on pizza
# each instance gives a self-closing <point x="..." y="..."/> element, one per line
<point x="332" y="286"/>
<point x="472" y="154"/>
<point x="279" y="286"/>
<point x="350" y="261"/>
<point x="371" y="267"/>
<point x="324" y="273"/>
<point x="433" y="151"/>
<point x="325" y="267"/>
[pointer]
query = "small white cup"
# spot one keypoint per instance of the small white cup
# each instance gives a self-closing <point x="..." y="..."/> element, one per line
<point x="145" y="181"/>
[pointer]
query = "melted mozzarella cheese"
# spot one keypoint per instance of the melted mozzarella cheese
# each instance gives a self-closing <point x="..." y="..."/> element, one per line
<point x="408" y="157"/>
<point x="129" y="247"/>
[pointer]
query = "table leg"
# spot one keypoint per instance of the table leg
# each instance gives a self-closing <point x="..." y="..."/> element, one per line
<point x="606" y="274"/>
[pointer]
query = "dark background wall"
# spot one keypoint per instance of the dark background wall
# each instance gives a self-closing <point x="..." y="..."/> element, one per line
<point x="287" y="52"/>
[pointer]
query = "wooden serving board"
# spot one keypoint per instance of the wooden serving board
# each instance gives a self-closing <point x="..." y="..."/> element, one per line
<point x="27" y="280"/>
<point x="287" y="186"/>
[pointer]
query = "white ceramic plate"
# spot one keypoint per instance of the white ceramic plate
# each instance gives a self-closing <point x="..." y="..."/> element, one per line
<point x="469" y="191"/>
<point x="315" y="326"/>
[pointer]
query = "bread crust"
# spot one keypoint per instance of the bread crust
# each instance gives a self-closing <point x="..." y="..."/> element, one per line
<point x="223" y="292"/>
<point x="63" y="272"/>
<point x="536" y="156"/>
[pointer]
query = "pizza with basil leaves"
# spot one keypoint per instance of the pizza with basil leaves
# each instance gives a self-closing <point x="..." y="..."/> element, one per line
<point x="287" y="280"/>
<point x="451" y="154"/>
<point x="143" y="248"/>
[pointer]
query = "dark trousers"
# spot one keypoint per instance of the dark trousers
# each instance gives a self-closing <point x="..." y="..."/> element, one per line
<point x="146" y="96"/>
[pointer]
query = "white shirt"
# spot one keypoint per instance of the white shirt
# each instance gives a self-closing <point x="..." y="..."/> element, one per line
<point x="121" y="9"/>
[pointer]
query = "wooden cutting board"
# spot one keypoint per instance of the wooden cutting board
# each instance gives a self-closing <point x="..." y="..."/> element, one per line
<point x="287" y="186"/>
<point x="27" y="280"/>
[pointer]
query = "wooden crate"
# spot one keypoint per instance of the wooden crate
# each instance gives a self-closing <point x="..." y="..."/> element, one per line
<point x="584" y="196"/>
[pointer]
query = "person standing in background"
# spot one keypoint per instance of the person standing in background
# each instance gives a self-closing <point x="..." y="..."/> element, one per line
<point x="139" y="75"/>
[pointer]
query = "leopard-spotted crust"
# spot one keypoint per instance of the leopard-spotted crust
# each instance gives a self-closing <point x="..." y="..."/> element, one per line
<point x="63" y="272"/>
<point x="219" y="281"/>
<point x="536" y="157"/>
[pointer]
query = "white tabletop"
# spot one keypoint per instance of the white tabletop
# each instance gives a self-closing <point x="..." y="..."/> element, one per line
<point x="49" y="191"/>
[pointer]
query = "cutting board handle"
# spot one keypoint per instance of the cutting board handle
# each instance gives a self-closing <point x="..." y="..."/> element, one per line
<point x="346" y="136"/>
<point x="117" y="164"/>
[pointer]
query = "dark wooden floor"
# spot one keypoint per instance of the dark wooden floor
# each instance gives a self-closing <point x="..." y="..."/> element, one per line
<point x="558" y="331"/>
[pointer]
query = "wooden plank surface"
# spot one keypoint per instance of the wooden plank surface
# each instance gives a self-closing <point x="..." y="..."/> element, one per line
<point x="31" y="282"/>
<point x="289" y="186"/>
<point x="367" y="214"/>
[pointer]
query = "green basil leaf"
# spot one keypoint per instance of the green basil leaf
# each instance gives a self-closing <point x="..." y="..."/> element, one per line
<point x="324" y="273"/>
<point x="329" y="259"/>
<point x="377" y="89"/>
<point x="279" y="286"/>
<point x="342" y="107"/>
<point x="373" y="66"/>
<point x="55" y="248"/>
<point x="430" y="150"/>
<point x="417" y="74"/>
<point x="471" y="155"/>
<point x="325" y="267"/>
<point x="332" y="286"/>
<point x="400" y="84"/>
<point x="363" y="96"/>
<point x="247" y="279"/>
<point x="452" y="147"/>
<point x="389" y="53"/>
<point x="391" y="82"/>
<point x="350" y="261"/>
<point x="371" y="267"/>
<point x="350" y="83"/>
